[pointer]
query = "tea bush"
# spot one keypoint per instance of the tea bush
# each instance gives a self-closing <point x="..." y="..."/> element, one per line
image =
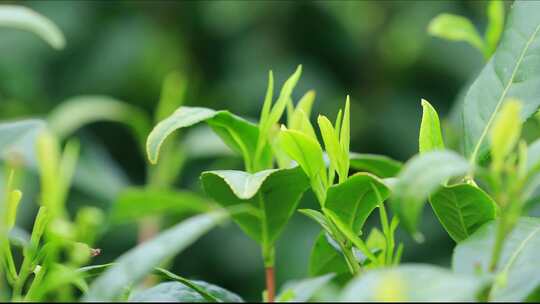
<point x="481" y="179"/>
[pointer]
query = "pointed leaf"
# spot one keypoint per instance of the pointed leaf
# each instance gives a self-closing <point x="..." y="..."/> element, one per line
<point x="412" y="283"/>
<point x="495" y="13"/>
<point x="304" y="150"/>
<point x="380" y="165"/>
<point x="430" y="129"/>
<point x="511" y="72"/>
<point x="455" y="28"/>
<point x="325" y="259"/>
<point x="462" y="209"/>
<point x="23" y="18"/>
<point x="135" y="264"/>
<point x="274" y="194"/>
<point x="419" y="178"/>
<point x="516" y="276"/>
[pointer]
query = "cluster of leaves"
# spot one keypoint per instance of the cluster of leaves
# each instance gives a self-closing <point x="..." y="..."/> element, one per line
<point x="479" y="192"/>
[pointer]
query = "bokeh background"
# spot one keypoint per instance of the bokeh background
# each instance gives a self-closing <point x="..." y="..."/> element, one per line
<point x="376" y="51"/>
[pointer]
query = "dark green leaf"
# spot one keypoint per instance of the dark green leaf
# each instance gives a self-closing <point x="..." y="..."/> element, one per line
<point x="135" y="264"/>
<point x="510" y="73"/>
<point x="412" y="283"/>
<point x="326" y="259"/>
<point x="516" y="276"/>
<point x="462" y="209"/>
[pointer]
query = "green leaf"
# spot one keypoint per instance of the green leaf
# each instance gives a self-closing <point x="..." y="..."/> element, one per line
<point x="495" y="13"/>
<point x="380" y="165"/>
<point x="22" y="18"/>
<point x="304" y="150"/>
<point x="179" y="292"/>
<point x="79" y="111"/>
<point x="17" y="140"/>
<point x="135" y="203"/>
<point x="303" y="290"/>
<point x="173" y="93"/>
<point x="462" y="209"/>
<point x="456" y="28"/>
<point x="135" y="264"/>
<point x="274" y="194"/>
<point x="325" y="259"/>
<point x="302" y="110"/>
<point x="353" y="200"/>
<point x="516" y="276"/>
<point x="332" y="145"/>
<point x="511" y="73"/>
<point x="412" y="283"/>
<point x="419" y="178"/>
<point x="506" y="131"/>
<point x="430" y="129"/>
<point x="239" y="134"/>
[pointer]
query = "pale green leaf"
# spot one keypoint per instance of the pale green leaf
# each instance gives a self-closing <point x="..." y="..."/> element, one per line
<point x="304" y="150"/>
<point x="516" y="276"/>
<point x="412" y="283"/>
<point x="23" y="18"/>
<point x="303" y="290"/>
<point x="511" y="73"/>
<point x="506" y="130"/>
<point x="173" y="92"/>
<point x="135" y="264"/>
<point x="455" y="28"/>
<point x="495" y="13"/>
<point x="380" y="165"/>
<point x="18" y="139"/>
<point x="462" y="209"/>
<point x="430" y="129"/>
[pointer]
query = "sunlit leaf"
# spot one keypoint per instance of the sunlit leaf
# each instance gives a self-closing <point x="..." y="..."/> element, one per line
<point x="456" y="28"/>
<point x="495" y="13"/>
<point x="430" y="130"/>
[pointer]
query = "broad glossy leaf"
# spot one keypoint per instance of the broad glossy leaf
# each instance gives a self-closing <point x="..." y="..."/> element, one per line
<point x="456" y="28"/>
<point x="419" y="178"/>
<point x="511" y="73"/>
<point x="353" y="200"/>
<point x="23" y="18"/>
<point x="303" y="290"/>
<point x="412" y="283"/>
<point x="517" y="272"/>
<point x="430" y="129"/>
<point x="380" y="165"/>
<point x="274" y="194"/>
<point x="135" y="264"/>
<point x="18" y="138"/>
<point x="178" y="292"/>
<point x="135" y="203"/>
<point x="239" y="134"/>
<point x="462" y="209"/>
<point x="79" y="111"/>
<point x="304" y="150"/>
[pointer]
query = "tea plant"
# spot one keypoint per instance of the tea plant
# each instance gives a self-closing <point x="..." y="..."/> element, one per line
<point x="480" y="191"/>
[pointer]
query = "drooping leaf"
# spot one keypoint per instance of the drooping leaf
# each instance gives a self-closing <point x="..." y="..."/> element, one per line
<point x="380" y="165"/>
<point x="23" y="18"/>
<point x="511" y="73"/>
<point x="412" y="283"/>
<point x="516" y="275"/>
<point x="462" y="209"/>
<point x="274" y="194"/>
<point x="135" y="203"/>
<point x="419" y="178"/>
<point x="135" y="264"/>
<point x="17" y="140"/>
<point x="79" y="111"/>
<point x="303" y="290"/>
<point x="430" y="130"/>
<point x="456" y="28"/>
<point x="240" y="135"/>
<point x="353" y="200"/>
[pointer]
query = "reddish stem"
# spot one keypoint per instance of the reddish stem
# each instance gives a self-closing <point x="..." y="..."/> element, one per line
<point x="270" y="284"/>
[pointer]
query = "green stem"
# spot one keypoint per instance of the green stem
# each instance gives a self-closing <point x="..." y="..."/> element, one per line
<point x="499" y="241"/>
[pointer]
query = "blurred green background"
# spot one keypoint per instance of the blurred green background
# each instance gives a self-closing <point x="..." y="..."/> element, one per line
<point x="376" y="51"/>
